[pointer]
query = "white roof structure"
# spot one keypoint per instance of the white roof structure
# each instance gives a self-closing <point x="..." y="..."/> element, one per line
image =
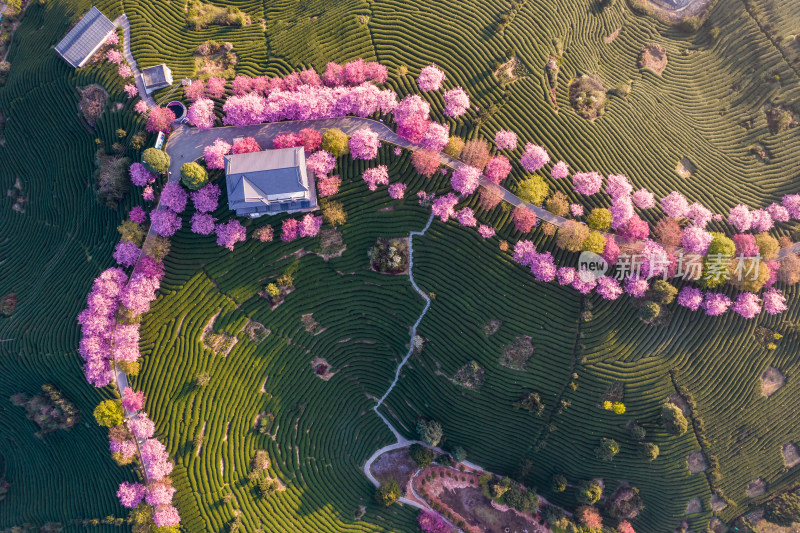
<point x="84" y="39"/>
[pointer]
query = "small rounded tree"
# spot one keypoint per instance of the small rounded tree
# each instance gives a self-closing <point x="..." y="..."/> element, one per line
<point x="589" y="492"/>
<point x="559" y="483"/>
<point x="108" y="413"/>
<point x="533" y="190"/>
<point x="649" y="311"/>
<point x="421" y="455"/>
<point x="599" y="219"/>
<point x="664" y="292"/>
<point x="458" y="453"/>
<point x="648" y="451"/>
<point x="193" y="176"/>
<point x="388" y="493"/>
<point x="783" y="510"/>
<point x="454" y="147"/>
<point x="335" y="141"/>
<point x="595" y="242"/>
<point x="607" y="450"/>
<point x="571" y="236"/>
<point x="673" y="419"/>
<point x="637" y="432"/>
<point x="155" y="161"/>
<point x="430" y="432"/>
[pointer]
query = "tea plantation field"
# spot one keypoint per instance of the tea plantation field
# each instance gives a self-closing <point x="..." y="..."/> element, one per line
<point x="707" y="107"/>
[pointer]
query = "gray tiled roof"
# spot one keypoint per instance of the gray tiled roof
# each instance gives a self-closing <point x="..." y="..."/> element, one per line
<point x="254" y="177"/>
<point x="87" y="35"/>
<point x="154" y="76"/>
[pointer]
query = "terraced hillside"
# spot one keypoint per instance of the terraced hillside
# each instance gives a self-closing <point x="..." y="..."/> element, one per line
<point x="49" y="255"/>
<point x="707" y="108"/>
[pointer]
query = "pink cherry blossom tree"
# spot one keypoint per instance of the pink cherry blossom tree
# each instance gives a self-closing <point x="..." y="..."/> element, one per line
<point x="774" y="302"/>
<point x="141" y="426"/>
<point x="214" y="154"/>
<point x="131" y="90"/>
<point x="245" y="145"/>
<point x="203" y="224"/>
<point x="397" y="190"/>
<point x="486" y="231"/>
<point x="174" y="197"/>
<point x="430" y="78"/>
<point x="328" y="185"/>
<point x="534" y="157"/>
<point x="636" y="286"/>
<point x="215" y="87"/>
<point x="635" y="229"/>
<point x="505" y="140"/>
<point x="524" y="219"/>
<point x="465" y="179"/>
<point x="608" y="288"/>
<point x="778" y="213"/>
<point x="290" y="230"/>
<point x="160" y="119"/>
<point x="242" y="85"/>
<point x="310" y="139"/>
<point x="675" y="205"/>
<point x="126" y="254"/>
<point x="132" y="400"/>
<point x="587" y="183"/>
<point x="166" y="516"/>
<point x="231" y="233"/>
<point x="699" y="214"/>
<point x="565" y="275"/>
<point x="159" y="493"/>
<point x="141" y="107"/>
<point x="696" y="240"/>
<point x="165" y="222"/>
<point x="156" y="460"/>
<point x="138" y="215"/>
<point x="130" y="494"/>
<point x="436" y="137"/>
<point x="576" y="210"/>
<point x="114" y="56"/>
<point x="740" y="218"/>
<point x="195" y="90"/>
<point x="444" y="206"/>
<point x="716" y="303"/>
<point x="560" y="170"/>
<point x="618" y="185"/>
<point x="456" y="102"/>
<point x="497" y="169"/>
<point x="466" y="217"/>
<point x="747" y="305"/>
<point x="140" y="175"/>
<point x="286" y="140"/>
<point x="691" y="298"/>
<point x="430" y="522"/>
<point x="321" y="163"/>
<point x="644" y="199"/>
<point x="201" y="114"/>
<point x="244" y="110"/>
<point x="364" y="144"/>
<point x="376" y="176"/>
<point x="309" y="226"/>
<point x="762" y="220"/>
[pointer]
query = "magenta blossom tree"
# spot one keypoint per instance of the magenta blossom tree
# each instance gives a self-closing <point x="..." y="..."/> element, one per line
<point x="524" y="219"/>
<point x="376" y="176"/>
<point x="397" y="190"/>
<point x="486" y="231"/>
<point x="364" y="144"/>
<point x="466" y="217"/>
<point x="155" y="459"/>
<point x="174" y="197"/>
<point x="560" y="170"/>
<point x="436" y="137"/>
<point x="140" y="176"/>
<point x="696" y="240"/>
<point x="430" y="522"/>
<point x="245" y="145"/>
<point x="132" y="400"/>
<point x="497" y="169"/>
<point x="644" y="199"/>
<point x="690" y="297"/>
<point x="229" y="234"/>
<point x="505" y="140"/>
<point x="166" y="516"/>
<point x="309" y="226"/>
<point x="778" y="213"/>
<point x="608" y="288"/>
<point x="245" y="110"/>
<point x="321" y="162"/>
<point x="290" y="230"/>
<point x="618" y="185"/>
<point x="141" y="426"/>
<point x="699" y="215"/>
<point x="740" y="218"/>
<point x="762" y="220"/>
<point x="130" y="494"/>
<point x="716" y="303"/>
<point x="310" y="139"/>
<point x="430" y="78"/>
<point x="587" y="183"/>
<point x="201" y="114"/>
<point x="534" y="157"/>
<point x="747" y="305"/>
<point x="160" y="119"/>
<point x="636" y="286"/>
<point x="456" y="102"/>
<point x="126" y="254"/>
<point x="566" y="275"/>
<point x="215" y="87"/>
<point x="131" y="90"/>
<point x="203" y="224"/>
<point x="214" y="154"/>
<point x="165" y="222"/>
<point x="444" y="206"/>
<point x="328" y="185"/>
<point x="465" y="179"/>
<point x="205" y="199"/>
<point x="774" y="302"/>
<point x="159" y="493"/>
<point x="675" y="205"/>
<point x="195" y="90"/>
<point x="138" y="215"/>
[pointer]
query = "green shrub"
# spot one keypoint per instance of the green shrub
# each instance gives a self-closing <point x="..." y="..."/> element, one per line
<point x="607" y="450"/>
<point x="673" y="419"/>
<point x="664" y="292"/>
<point x="533" y="190"/>
<point x="589" y="492"/>
<point x="649" y="311"/>
<point x="648" y="451"/>
<point x="454" y="147"/>
<point x="155" y="161"/>
<point x="421" y="455"/>
<point x="335" y="141"/>
<point x="595" y="242"/>
<point x="783" y="510"/>
<point x="108" y="413"/>
<point x="637" y="432"/>
<point x="193" y="176"/>
<point x="430" y="432"/>
<point x="388" y="493"/>
<point x="559" y="483"/>
<point x="459" y="454"/>
<point x="599" y="219"/>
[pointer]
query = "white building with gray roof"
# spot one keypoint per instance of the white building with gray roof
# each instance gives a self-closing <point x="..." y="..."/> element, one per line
<point x="85" y="38"/>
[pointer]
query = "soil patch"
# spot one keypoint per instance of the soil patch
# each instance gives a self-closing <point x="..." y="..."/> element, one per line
<point x="459" y="496"/>
<point x="396" y="465"/>
<point x="791" y="456"/>
<point x="470" y="376"/>
<point x="256" y="331"/>
<point x="678" y="400"/>
<point x="694" y="506"/>
<point x="718" y="503"/>
<point x="675" y="11"/>
<point x="219" y="343"/>
<point x="610" y="38"/>
<point x="491" y="327"/>
<point x="510" y="71"/>
<point x="697" y="462"/>
<point x="771" y="380"/>
<point x="311" y="326"/>
<point x="756" y="488"/>
<point x="654" y="58"/>
<point x="215" y="59"/>
<point x="685" y="168"/>
<point x="331" y="244"/>
<point x="93" y="102"/>
<point x="516" y="354"/>
<point x="322" y="369"/>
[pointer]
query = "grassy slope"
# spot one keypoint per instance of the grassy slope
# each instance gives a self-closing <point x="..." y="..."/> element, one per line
<point x="698" y="103"/>
<point x="48" y="257"/>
